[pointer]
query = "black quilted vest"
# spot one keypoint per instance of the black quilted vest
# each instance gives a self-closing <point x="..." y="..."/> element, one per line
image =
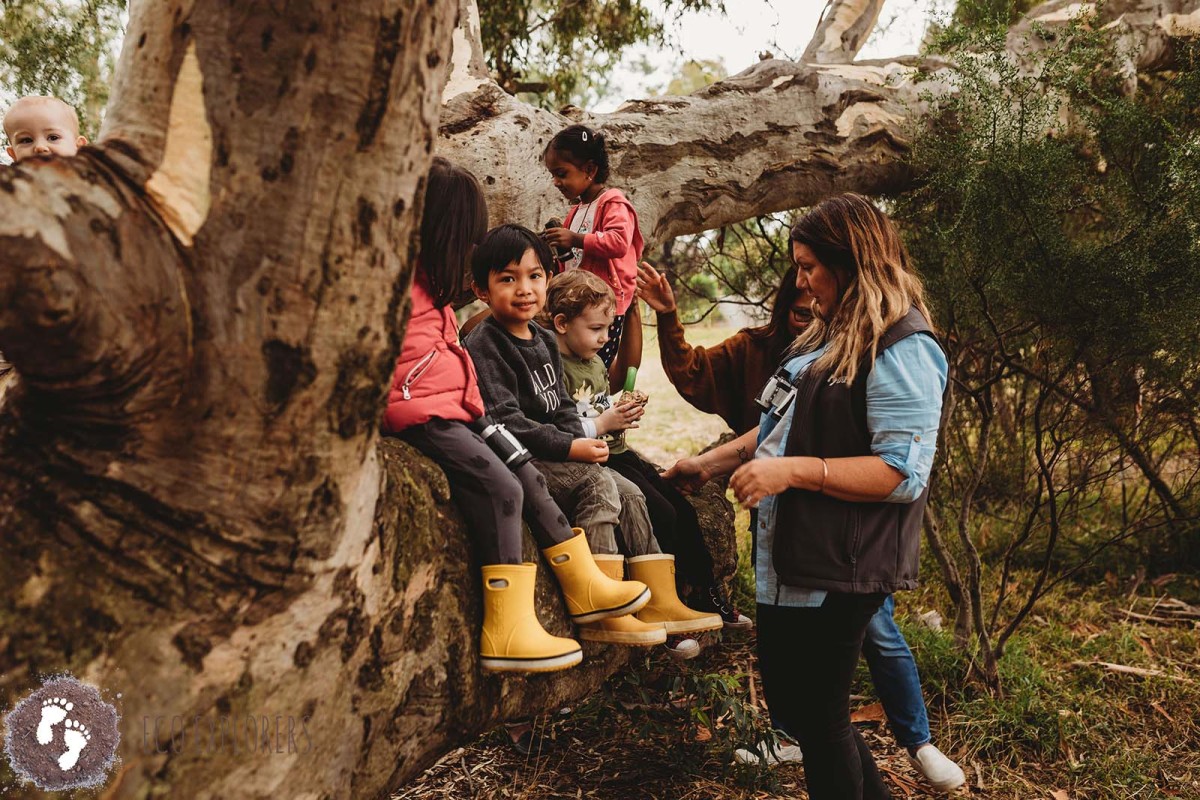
<point x="824" y="543"/>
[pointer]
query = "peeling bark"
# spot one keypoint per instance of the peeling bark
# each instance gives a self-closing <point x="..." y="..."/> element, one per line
<point x="842" y="31"/>
<point x="204" y="310"/>
<point x="777" y="136"/>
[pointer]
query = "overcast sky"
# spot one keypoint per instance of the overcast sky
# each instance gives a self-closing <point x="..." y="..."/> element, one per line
<point x="751" y="26"/>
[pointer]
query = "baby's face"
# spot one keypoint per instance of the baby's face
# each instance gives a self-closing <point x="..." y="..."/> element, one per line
<point x="41" y="128"/>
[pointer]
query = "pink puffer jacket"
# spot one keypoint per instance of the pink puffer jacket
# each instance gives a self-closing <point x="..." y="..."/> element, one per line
<point x="613" y="248"/>
<point x="434" y="377"/>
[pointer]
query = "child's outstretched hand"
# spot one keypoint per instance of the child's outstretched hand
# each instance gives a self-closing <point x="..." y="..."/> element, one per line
<point x="619" y="418"/>
<point x="589" y="451"/>
<point x="653" y="287"/>
<point x="562" y="237"/>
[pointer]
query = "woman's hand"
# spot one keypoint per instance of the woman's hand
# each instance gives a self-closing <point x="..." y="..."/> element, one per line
<point x="760" y="478"/>
<point x="562" y="238"/>
<point x="653" y="287"/>
<point x="688" y="474"/>
<point x="588" y="451"/>
<point x="619" y="418"/>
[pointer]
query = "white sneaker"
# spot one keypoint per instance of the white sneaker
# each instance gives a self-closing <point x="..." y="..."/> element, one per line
<point x="942" y="773"/>
<point x="783" y="753"/>
<point x="682" y="648"/>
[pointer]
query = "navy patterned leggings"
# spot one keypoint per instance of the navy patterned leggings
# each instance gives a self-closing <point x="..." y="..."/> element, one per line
<point x="491" y="497"/>
<point x="609" y="351"/>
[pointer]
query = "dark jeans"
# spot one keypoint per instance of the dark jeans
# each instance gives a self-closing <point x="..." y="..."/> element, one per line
<point x="672" y="518"/>
<point x="491" y="498"/>
<point x="807" y="658"/>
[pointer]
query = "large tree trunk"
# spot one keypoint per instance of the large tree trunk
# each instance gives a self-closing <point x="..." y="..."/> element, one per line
<point x="196" y="512"/>
<point x="204" y="311"/>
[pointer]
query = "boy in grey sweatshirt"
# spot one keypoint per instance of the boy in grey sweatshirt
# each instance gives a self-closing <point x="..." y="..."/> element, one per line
<point x="520" y="378"/>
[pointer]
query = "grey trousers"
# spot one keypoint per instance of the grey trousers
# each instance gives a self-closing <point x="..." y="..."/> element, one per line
<point x="599" y="500"/>
<point x="490" y="497"/>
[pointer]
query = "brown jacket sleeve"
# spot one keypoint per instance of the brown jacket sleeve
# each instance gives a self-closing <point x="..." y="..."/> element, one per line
<point x="710" y="378"/>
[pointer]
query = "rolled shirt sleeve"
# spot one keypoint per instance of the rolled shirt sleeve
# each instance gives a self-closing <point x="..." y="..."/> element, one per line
<point x="904" y="410"/>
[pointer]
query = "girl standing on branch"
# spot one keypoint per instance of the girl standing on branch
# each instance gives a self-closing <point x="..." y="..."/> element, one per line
<point x="602" y="233"/>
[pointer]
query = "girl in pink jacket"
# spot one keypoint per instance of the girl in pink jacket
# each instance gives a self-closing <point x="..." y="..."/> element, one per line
<point x="601" y="230"/>
<point x="435" y="405"/>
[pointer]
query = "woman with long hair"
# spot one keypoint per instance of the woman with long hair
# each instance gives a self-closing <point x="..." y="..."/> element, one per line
<point x="839" y="472"/>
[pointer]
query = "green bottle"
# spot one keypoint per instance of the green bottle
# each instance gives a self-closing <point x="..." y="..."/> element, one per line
<point x="630" y="378"/>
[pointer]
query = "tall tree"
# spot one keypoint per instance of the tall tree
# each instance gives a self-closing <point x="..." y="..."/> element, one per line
<point x="204" y="310"/>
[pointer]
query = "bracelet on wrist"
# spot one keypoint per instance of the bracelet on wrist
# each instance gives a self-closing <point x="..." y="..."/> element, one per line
<point x="824" y="476"/>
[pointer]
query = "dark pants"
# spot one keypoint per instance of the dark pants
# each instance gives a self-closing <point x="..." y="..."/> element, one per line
<point x="672" y="517"/>
<point x="491" y="497"/>
<point x="807" y="658"/>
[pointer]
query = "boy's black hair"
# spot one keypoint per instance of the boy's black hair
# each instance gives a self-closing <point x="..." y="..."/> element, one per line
<point x="580" y="144"/>
<point x="502" y="246"/>
<point x="454" y="220"/>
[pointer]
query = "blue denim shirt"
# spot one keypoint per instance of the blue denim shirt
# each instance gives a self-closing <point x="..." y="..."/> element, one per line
<point x="904" y="407"/>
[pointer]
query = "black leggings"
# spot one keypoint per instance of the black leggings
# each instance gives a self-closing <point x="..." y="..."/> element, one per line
<point x="807" y="658"/>
<point x="488" y="494"/>
<point x="672" y="517"/>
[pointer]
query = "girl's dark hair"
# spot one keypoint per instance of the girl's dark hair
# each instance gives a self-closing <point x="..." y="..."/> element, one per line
<point x="779" y="329"/>
<point x="580" y="144"/>
<point x="454" y="220"/>
<point x="502" y="246"/>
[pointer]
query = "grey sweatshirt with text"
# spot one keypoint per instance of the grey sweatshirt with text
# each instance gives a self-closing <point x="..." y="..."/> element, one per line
<point x="521" y="383"/>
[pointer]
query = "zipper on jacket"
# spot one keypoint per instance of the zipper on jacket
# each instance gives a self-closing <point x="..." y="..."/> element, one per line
<point x="416" y="372"/>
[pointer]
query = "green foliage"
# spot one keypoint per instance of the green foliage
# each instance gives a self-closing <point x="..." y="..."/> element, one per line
<point x="559" y="52"/>
<point x="979" y="14"/>
<point x="1089" y="230"/>
<point x="1056" y="229"/>
<point x="65" y="49"/>
<point x="1060" y="713"/>
<point x="696" y="74"/>
<point x="740" y="264"/>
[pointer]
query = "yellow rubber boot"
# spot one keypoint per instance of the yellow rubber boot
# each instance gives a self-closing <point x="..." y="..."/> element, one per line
<point x="590" y="594"/>
<point x="658" y="572"/>
<point x="513" y="640"/>
<point x="628" y="629"/>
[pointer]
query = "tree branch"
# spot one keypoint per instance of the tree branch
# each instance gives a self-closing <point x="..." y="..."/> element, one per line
<point x="780" y="135"/>
<point x="93" y="310"/>
<point x="842" y="31"/>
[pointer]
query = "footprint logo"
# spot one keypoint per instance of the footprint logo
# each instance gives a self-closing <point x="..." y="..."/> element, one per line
<point x="63" y="735"/>
<point x="54" y="711"/>
<point x="77" y="737"/>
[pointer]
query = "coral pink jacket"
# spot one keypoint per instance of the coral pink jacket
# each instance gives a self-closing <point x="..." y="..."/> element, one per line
<point x="614" y="246"/>
<point x="434" y="377"/>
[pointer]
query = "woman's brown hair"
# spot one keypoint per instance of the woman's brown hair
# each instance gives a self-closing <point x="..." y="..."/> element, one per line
<point x="860" y="245"/>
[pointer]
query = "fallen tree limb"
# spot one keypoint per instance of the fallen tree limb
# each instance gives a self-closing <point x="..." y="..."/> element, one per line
<point x="1126" y="670"/>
